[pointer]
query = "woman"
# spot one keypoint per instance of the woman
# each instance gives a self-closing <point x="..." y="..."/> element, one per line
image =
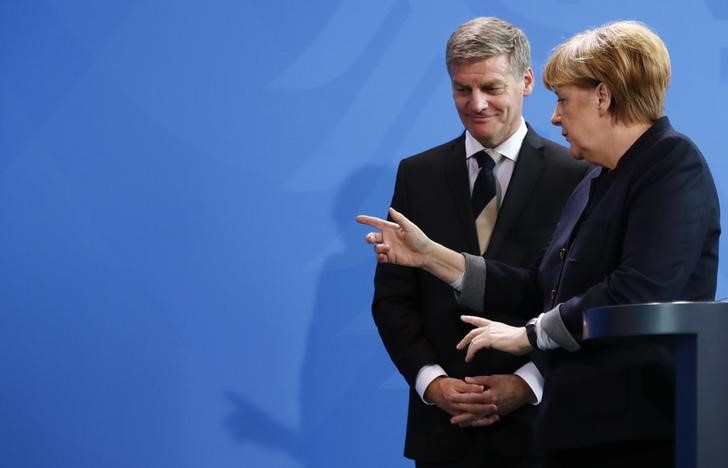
<point x="643" y="226"/>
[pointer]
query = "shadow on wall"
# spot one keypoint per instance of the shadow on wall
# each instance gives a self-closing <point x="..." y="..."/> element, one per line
<point x="346" y="407"/>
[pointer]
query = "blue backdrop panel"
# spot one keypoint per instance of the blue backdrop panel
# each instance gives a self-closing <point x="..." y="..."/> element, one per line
<point x="181" y="280"/>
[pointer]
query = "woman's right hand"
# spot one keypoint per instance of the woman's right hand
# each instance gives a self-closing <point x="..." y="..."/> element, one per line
<point x="400" y="242"/>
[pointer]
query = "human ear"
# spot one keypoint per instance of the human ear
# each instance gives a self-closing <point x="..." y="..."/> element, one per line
<point x="604" y="97"/>
<point x="528" y="82"/>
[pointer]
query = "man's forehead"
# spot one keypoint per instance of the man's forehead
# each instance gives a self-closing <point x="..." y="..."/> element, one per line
<point x="480" y="79"/>
<point x="487" y="68"/>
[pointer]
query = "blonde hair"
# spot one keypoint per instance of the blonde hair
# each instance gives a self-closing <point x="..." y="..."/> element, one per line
<point x="627" y="56"/>
<point x="487" y="37"/>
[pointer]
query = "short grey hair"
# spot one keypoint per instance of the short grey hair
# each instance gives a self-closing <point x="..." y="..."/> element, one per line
<point x="486" y="37"/>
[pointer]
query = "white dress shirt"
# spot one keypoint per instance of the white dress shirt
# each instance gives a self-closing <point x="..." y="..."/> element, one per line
<point x="503" y="171"/>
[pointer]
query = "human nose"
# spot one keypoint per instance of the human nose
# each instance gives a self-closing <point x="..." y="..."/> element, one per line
<point x="478" y="101"/>
<point x="556" y="116"/>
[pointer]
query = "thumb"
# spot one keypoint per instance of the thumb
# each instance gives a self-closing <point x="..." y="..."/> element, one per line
<point x="408" y="226"/>
<point x="396" y="215"/>
<point x="478" y="380"/>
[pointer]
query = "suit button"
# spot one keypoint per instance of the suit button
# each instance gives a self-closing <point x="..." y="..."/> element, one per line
<point x="553" y="294"/>
<point x="562" y="254"/>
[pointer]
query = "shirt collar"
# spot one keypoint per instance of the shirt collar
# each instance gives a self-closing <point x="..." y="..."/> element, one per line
<point x="509" y="148"/>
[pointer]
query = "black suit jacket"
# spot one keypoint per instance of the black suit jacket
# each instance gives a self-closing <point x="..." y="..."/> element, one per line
<point x="646" y="231"/>
<point x="416" y="314"/>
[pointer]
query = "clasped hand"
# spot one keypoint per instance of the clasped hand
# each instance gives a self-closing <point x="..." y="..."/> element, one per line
<point x="479" y="401"/>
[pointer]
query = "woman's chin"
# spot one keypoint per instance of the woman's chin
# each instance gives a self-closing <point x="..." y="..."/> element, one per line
<point x="575" y="153"/>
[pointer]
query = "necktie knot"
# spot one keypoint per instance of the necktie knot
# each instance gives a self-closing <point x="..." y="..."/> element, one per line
<point x="485" y="161"/>
<point x="484" y="187"/>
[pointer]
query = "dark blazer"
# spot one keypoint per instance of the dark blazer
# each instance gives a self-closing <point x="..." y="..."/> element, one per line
<point x="416" y="314"/>
<point x="646" y="231"/>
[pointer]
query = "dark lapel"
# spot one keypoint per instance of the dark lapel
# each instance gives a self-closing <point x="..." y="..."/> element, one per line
<point x="456" y="174"/>
<point x="525" y="176"/>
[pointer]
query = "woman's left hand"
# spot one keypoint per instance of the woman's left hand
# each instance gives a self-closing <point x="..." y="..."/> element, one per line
<point x="495" y="335"/>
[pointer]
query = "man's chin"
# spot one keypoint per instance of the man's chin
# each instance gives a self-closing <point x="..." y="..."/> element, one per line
<point x="485" y="138"/>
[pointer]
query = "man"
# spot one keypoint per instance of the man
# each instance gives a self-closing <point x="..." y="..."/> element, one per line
<point x="507" y="214"/>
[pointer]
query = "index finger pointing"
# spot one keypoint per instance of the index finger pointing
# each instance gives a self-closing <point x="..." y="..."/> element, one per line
<point x="375" y="222"/>
<point x="475" y="321"/>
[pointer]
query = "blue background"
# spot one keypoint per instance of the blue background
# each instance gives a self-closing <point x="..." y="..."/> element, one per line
<point x="182" y="283"/>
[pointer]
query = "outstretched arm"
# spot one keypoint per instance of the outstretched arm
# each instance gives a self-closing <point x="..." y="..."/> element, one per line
<point x="403" y="243"/>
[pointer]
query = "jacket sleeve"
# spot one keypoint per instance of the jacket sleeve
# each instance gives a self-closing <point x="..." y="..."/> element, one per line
<point x="396" y="305"/>
<point x="511" y="290"/>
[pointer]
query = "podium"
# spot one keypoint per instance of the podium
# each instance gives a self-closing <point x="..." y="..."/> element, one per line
<point x="700" y="330"/>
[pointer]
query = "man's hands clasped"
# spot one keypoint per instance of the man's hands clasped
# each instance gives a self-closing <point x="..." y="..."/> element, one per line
<point x="478" y="401"/>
